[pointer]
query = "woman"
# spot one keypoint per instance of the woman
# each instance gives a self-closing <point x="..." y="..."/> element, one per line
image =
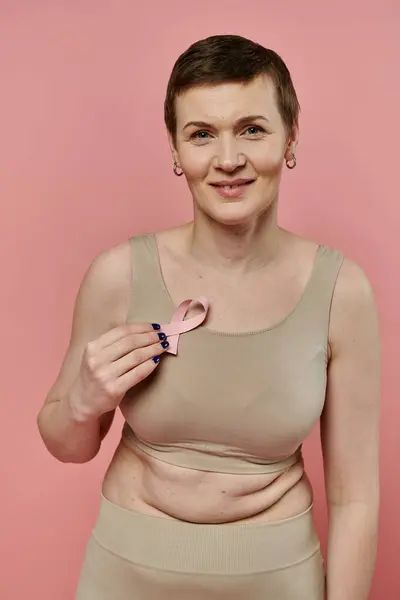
<point x="206" y="496"/>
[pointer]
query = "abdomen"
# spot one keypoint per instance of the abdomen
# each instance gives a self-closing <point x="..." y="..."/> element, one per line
<point x="139" y="482"/>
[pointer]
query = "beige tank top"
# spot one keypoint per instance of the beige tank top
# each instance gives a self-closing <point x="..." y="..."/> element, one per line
<point x="231" y="402"/>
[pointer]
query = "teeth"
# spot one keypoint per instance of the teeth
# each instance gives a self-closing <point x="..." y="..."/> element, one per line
<point x="231" y="187"/>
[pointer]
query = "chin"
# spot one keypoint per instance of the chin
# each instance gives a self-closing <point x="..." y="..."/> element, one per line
<point x="233" y="214"/>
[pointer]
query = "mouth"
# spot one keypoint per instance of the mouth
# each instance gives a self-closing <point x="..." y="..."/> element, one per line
<point x="234" y="189"/>
<point x="231" y="185"/>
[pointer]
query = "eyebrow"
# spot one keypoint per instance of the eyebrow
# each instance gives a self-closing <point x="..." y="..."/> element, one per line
<point x="239" y="122"/>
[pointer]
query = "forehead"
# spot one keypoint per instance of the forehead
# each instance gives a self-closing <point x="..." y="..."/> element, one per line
<point x="227" y="101"/>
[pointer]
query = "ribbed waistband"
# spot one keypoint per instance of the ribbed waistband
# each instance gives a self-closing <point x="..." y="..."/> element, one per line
<point x="239" y="548"/>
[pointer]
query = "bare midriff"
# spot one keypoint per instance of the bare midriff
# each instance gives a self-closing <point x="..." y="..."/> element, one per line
<point x="139" y="482"/>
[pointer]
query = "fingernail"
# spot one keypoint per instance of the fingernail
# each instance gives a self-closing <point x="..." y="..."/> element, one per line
<point x="156" y="359"/>
<point x="156" y="326"/>
<point x="162" y="336"/>
<point x="165" y="344"/>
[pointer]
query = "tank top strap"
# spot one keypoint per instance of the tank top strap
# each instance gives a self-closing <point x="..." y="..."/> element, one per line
<point x="148" y="299"/>
<point x="317" y="300"/>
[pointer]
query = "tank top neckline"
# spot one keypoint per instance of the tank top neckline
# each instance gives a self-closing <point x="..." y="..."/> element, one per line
<point x="207" y="330"/>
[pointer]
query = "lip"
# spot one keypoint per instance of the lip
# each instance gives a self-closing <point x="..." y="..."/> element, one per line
<point x="235" y="192"/>
<point x="231" y="182"/>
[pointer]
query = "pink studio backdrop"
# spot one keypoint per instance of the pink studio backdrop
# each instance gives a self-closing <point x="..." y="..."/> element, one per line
<point x="84" y="163"/>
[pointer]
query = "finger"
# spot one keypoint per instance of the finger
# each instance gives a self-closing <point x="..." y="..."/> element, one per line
<point x="137" y="357"/>
<point x="128" y="344"/>
<point x="118" y="333"/>
<point x="135" y="376"/>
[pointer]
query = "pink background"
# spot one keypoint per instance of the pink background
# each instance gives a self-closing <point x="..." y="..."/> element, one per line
<point x="84" y="163"/>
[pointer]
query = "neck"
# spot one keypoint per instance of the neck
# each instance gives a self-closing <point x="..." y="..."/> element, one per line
<point x="239" y="248"/>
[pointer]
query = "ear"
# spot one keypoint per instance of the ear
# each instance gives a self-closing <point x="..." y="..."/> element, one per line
<point x="291" y="144"/>
<point x="174" y="152"/>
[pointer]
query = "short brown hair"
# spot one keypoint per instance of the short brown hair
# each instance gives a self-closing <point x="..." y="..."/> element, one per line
<point x="230" y="58"/>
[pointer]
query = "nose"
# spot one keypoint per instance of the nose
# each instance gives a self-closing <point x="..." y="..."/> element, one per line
<point x="228" y="157"/>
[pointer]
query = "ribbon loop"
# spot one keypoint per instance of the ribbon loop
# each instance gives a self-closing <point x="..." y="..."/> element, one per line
<point x="180" y="325"/>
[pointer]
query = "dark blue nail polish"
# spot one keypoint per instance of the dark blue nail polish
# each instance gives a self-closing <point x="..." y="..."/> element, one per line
<point x="165" y="344"/>
<point x="162" y="336"/>
<point x="156" y="359"/>
<point x="156" y="326"/>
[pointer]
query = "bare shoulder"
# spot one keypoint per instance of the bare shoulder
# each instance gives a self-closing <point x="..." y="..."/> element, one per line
<point x="353" y="291"/>
<point x="353" y="307"/>
<point x="107" y="283"/>
<point x="101" y="304"/>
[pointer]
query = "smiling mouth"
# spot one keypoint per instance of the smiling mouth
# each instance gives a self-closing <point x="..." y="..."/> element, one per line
<point x="231" y="187"/>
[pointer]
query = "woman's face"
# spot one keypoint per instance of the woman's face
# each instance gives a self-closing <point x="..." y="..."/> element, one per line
<point x="232" y="134"/>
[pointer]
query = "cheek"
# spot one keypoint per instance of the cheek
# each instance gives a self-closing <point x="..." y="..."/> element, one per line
<point x="195" y="162"/>
<point x="267" y="156"/>
<point x="268" y="165"/>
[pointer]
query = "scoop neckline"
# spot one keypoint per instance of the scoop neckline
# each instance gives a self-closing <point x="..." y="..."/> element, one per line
<point x="236" y="334"/>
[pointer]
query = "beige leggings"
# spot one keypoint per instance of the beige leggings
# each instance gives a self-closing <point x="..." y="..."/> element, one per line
<point x="139" y="557"/>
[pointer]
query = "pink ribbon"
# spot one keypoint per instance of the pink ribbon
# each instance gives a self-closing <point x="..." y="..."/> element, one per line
<point x="179" y="325"/>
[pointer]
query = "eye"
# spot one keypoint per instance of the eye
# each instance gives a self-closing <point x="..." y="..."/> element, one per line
<point x="254" y="130"/>
<point x="200" y="135"/>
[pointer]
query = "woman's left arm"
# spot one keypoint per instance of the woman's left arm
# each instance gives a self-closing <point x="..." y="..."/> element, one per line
<point x="350" y="436"/>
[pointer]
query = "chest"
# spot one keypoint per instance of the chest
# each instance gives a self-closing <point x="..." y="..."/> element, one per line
<point x="256" y="392"/>
<point x="238" y="303"/>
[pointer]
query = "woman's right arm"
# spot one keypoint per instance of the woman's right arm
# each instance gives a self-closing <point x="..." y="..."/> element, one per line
<point x="106" y="356"/>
